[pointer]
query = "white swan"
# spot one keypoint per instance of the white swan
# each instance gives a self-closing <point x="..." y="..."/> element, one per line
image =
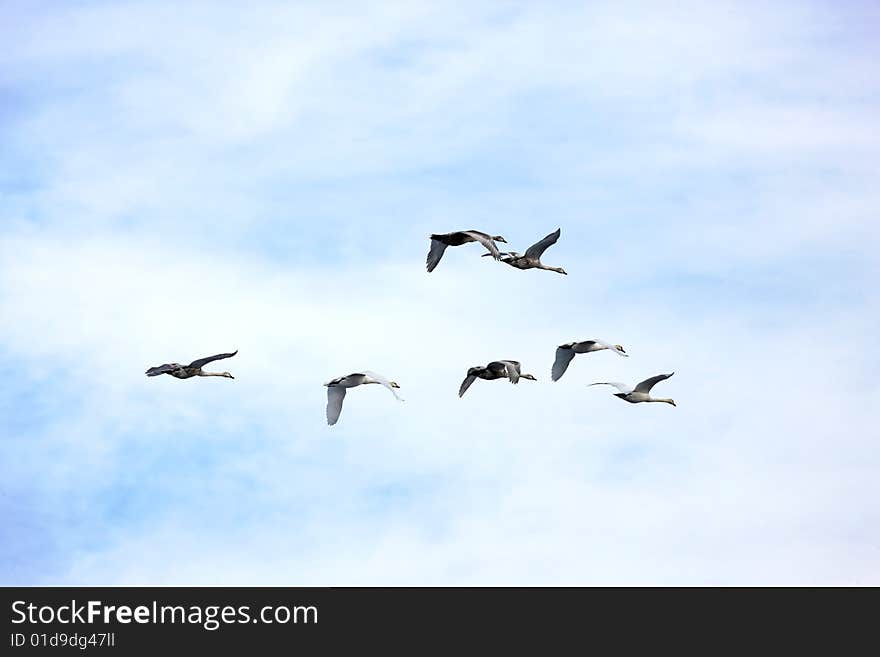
<point x="565" y="352"/>
<point x="337" y="387"/>
<point x="640" y="392"/>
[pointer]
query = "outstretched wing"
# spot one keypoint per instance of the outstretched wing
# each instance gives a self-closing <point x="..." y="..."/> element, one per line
<point x="469" y="379"/>
<point x="436" y="252"/>
<point x="485" y="240"/>
<point x="201" y="362"/>
<point x="385" y="382"/>
<point x="647" y="384"/>
<point x="335" y="395"/>
<point x="563" y="358"/>
<point x="537" y="249"/>
<point x="623" y="387"/>
<point x="162" y="369"/>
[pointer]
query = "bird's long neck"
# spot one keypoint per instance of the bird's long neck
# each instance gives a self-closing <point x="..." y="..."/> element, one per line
<point x="558" y="270"/>
<point x="660" y="399"/>
<point x="213" y="374"/>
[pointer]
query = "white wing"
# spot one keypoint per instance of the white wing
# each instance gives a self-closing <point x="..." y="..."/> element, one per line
<point x="610" y="347"/>
<point x="624" y="388"/>
<point x="385" y="382"/>
<point x="469" y="379"/>
<point x="512" y="370"/>
<point x="486" y="241"/>
<point x="438" y="248"/>
<point x="335" y="395"/>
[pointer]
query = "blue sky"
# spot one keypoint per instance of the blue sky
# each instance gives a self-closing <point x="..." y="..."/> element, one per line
<point x="179" y="180"/>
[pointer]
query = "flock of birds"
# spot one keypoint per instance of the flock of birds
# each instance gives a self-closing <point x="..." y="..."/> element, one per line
<point x="499" y="369"/>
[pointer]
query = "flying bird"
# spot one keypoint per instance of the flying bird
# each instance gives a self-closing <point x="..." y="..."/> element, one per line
<point x="179" y="371"/>
<point x="337" y="387"/>
<point x="440" y="242"/>
<point x="565" y="352"/>
<point x="532" y="257"/>
<point x="640" y="392"/>
<point x="498" y="369"/>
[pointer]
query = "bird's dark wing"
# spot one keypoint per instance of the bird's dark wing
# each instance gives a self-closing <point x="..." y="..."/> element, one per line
<point x="162" y="369"/>
<point x="201" y="362"/>
<point x="583" y="346"/>
<point x="537" y="249"/>
<point x="563" y="358"/>
<point x="436" y="252"/>
<point x="469" y="379"/>
<point x="647" y="384"/>
<point x="497" y="367"/>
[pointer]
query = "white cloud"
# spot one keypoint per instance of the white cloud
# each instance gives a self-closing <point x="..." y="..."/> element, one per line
<point x="538" y="483"/>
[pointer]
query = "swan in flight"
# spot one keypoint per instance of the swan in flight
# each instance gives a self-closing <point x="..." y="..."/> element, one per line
<point x="640" y="392"/>
<point x="440" y="242"/>
<point x="499" y="369"/>
<point x="532" y="257"/>
<point x="337" y="387"/>
<point x="565" y="352"/>
<point x="179" y="371"/>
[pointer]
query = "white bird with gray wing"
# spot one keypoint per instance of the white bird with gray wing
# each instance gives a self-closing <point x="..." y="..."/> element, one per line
<point x="641" y="392"/>
<point x="337" y="387"/>
<point x="566" y="352"/>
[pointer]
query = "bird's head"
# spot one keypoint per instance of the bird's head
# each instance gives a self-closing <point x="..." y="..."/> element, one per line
<point x="393" y="384"/>
<point x="498" y="238"/>
<point x="530" y="377"/>
<point x="620" y="349"/>
<point x="227" y="375"/>
<point x="476" y="369"/>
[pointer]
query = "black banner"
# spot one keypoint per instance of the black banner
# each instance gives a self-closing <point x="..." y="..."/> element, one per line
<point x="152" y="620"/>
